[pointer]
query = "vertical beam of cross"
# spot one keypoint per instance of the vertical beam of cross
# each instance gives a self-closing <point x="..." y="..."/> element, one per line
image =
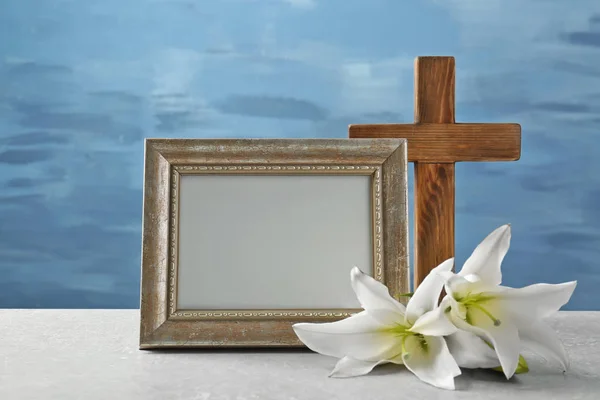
<point x="434" y="182"/>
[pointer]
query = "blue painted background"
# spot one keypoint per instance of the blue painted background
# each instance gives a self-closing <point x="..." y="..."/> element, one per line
<point x="83" y="82"/>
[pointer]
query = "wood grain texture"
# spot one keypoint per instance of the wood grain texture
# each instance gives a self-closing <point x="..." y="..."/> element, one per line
<point x="447" y="143"/>
<point x="434" y="183"/>
<point x="434" y="217"/>
<point x="164" y="325"/>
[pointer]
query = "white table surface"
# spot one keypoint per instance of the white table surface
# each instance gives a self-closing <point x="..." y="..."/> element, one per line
<point x="93" y="354"/>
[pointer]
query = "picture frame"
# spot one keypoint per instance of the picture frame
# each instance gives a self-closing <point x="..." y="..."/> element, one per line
<point x="242" y="238"/>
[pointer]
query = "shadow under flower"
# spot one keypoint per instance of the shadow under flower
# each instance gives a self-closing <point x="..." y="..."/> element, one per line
<point x="471" y="377"/>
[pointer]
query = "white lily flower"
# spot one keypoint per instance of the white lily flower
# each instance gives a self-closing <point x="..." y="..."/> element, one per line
<point x="471" y="351"/>
<point x="507" y="318"/>
<point x="387" y="332"/>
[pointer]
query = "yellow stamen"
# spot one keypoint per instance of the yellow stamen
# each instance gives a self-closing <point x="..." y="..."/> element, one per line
<point x="405" y="354"/>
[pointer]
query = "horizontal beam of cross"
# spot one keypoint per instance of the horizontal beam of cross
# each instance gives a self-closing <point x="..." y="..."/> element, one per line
<point x="449" y="143"/>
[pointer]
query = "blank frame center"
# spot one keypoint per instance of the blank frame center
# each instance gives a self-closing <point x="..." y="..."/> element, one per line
<point x="272" y="241"/>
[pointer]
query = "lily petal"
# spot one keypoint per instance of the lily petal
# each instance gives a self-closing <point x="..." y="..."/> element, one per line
<point x="373" y="295"/>
<point x="488" y="255"/>
<point x="470" y="351"/>
<point x="427" y="295"/>
<point x="386" y="317"/>
<point x="459" y="286"/>
<point x="434" y="323"/>
<point x="348" y="367"/>
<point x="431" y="361"/>
<point x="456" y="286"/>
<point x="359" y="336"/>
<point x="541" y="339"/>
<point x="458" y="310"/>
<point x="537" y="301"/>
<point x="504" y="337"/>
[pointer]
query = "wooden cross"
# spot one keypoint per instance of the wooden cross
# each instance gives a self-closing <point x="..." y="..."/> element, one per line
<point x="435" y="143"/>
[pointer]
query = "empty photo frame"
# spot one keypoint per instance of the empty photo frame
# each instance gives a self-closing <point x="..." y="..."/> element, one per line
<point x="242" y="238"/>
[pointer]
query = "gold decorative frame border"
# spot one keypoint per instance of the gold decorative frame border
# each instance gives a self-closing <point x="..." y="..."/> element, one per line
<point x="163" y="325"/>
<point x="177" y="170"/>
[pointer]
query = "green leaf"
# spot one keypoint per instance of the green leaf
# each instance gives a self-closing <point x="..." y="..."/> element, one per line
<point x="409" y="294"/>
<point x="522" y="367"/>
